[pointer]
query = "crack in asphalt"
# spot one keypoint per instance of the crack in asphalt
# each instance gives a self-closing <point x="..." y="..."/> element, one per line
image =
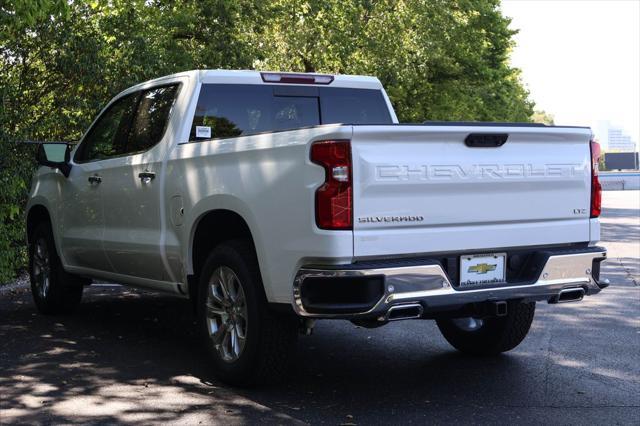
<point x="547" y="360"/>
<point x="630" y="275"/>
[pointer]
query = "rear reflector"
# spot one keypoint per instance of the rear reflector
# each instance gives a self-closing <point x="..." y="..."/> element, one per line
<point x="334" y="199"/>
<point x="596" y="188"/>
<point x="289" y="78"/>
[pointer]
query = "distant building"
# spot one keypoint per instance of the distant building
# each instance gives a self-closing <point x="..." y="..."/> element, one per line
<point x="613" y="138"/>
<point x="619" y="142"/>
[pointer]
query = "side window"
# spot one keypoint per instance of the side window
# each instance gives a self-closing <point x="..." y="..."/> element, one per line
<point x="108" y="136"/>
<point x="151" y="119"/>
<point x="228" y="110"/>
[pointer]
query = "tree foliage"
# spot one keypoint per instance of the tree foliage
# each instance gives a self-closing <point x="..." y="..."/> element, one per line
<point x="543" y="117"/>
<point x="61" y="61"/>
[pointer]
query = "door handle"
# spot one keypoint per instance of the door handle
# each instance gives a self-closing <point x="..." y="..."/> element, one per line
<point x="146" y="177"/>
<point x="95" y="179"/>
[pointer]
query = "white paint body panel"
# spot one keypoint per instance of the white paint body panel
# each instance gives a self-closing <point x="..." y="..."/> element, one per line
<point x="269" y="181"/>
<point x="533" y="190"/>
<point x="137" y="237"/>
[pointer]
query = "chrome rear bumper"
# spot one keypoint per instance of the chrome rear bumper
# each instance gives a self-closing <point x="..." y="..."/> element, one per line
<point x="429" y="286"/>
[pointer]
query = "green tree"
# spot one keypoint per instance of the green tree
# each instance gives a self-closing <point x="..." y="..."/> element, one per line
<point x="438" y="59"/>
<point x="543" y="117"/>
<point x="61" y="61"/>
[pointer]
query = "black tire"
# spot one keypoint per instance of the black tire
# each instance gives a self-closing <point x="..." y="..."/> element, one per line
<point x="495" y="334"/>
<point x="270" y="339"/>
<point x="63" y="291"/>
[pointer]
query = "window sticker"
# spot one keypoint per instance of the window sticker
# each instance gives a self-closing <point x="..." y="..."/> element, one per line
<point x="203" y="132"/>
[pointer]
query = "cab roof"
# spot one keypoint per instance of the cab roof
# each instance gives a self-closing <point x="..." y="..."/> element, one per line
<point x="258" y="77"/>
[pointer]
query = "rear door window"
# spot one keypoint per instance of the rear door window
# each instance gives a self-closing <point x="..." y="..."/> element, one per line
<point x="152" y="117"/>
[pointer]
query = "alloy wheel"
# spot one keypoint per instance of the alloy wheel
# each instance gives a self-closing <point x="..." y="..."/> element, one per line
<point x="226" y="313"/>
<point x="41" y="268"/>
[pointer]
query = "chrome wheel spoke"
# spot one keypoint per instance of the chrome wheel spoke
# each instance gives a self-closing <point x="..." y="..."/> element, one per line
<point x="224" y="282"/>
<point x="235" y="290"/>
<point x="240" y="330"/>
<point x="219" y="334"/>
<point x="215" y="311"/>
<point x="235" y="344"/>
<point x="215" y="294"/>
<point x="241" y="299"/>
<point x="226" y="345"/>
<point x="45" y="286"/>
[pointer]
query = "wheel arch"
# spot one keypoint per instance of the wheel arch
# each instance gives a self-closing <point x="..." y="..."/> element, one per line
<point x="36" y="214"/>
<point x="210" y="229"/>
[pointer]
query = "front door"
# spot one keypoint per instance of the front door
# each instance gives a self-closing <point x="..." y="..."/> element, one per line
<point x="83" y="218"/>
<point x="83" y="213"/>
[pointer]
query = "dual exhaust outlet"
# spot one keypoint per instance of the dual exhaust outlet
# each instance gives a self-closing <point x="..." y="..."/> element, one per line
<point x="415" y="310"/>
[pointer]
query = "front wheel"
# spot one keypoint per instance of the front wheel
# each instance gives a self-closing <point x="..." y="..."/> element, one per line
<point x="54" y="290"/>
<point x="489" y="335"/>
<point x="247" y="343"/>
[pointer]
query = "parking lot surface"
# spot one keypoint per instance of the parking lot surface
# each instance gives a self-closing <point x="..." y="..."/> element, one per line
<point x="132" y="357"/>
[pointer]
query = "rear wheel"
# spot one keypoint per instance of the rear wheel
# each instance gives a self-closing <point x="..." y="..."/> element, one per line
<point x="248" y="344"/>
<point x="54" y="290"/>
<point x="489" y="335"/>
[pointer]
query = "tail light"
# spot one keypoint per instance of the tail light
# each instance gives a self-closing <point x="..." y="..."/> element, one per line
<point x="334" y="199"/>
<point x="596" y="188"/>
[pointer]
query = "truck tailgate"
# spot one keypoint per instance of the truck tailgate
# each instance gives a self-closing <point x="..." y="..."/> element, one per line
<point x="420" y="189"/>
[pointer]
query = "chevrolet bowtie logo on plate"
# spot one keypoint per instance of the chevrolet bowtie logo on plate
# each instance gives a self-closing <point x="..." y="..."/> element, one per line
<point x="482" y="268"/>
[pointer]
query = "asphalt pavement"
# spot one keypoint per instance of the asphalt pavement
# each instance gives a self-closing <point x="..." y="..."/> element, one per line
<point x="132" y="357"/>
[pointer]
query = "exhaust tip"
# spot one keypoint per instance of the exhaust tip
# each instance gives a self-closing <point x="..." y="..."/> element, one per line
<point x="400" y="312"/>
<point x="569" y="295"/>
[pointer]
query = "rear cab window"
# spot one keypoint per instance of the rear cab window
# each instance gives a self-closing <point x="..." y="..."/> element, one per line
<point x="229" y="110"/>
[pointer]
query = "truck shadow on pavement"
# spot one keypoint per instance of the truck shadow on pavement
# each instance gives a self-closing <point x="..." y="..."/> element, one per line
<point x="133" y="357"/>
<point x="621" y="231"/>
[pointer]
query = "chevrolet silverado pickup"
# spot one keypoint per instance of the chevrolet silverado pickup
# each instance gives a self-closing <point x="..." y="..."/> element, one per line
<point x="273" y="200"/>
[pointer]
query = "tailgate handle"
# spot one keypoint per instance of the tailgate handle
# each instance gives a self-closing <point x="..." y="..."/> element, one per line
<point x="485" y="140"/>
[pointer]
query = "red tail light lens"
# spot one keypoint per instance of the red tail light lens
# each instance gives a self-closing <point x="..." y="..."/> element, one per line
<point x="334" y="199"/>
<point x="596" y="188"/>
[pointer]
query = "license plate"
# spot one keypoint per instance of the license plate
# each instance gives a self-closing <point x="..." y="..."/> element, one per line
<point x="479" y="269"/>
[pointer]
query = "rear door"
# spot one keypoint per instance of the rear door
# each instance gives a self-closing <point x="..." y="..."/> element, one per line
<point x="421" y="189"/>
<point x="131" y="191"/>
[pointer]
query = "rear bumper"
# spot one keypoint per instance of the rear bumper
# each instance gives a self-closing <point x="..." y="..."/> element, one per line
<point x="429" y="286"/>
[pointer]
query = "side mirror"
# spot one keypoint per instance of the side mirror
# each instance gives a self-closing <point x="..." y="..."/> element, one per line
<point x="56" y="155"/>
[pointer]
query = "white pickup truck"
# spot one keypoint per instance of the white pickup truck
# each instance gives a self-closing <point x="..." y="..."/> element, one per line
<point x="272" y="200"/>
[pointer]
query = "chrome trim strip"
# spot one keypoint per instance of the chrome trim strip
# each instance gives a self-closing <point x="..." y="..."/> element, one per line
<point x="430" y="285"/>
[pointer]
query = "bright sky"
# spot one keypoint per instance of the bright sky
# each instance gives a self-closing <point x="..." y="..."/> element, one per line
<point x="580" y="59"/>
